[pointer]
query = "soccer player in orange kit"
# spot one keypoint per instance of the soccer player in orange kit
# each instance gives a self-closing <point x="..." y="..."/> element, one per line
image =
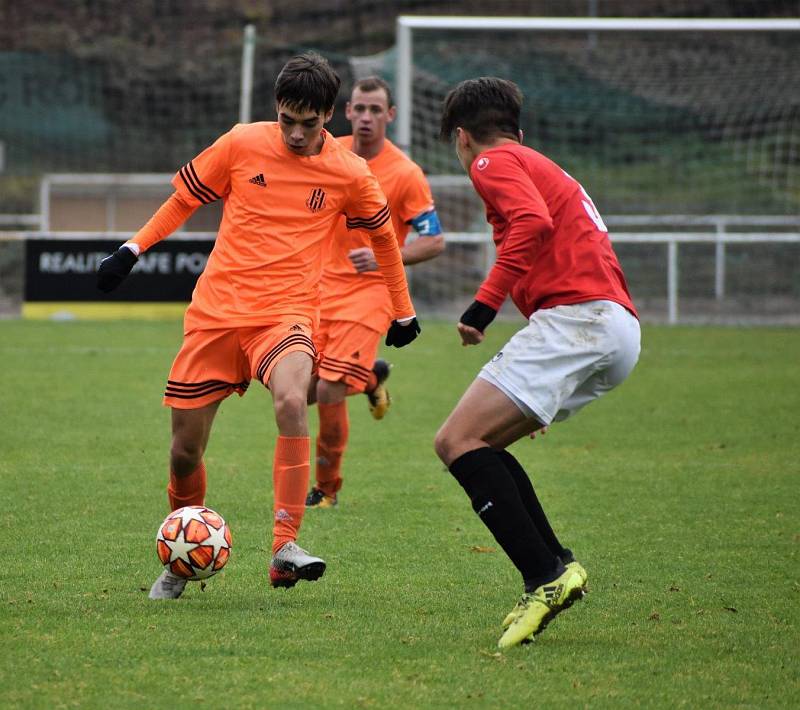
<point x="356" y="309"/>
<point x="284" y="186"/>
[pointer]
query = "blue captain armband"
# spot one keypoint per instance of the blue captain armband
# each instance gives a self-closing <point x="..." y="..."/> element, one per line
<point x="427" y="224"/>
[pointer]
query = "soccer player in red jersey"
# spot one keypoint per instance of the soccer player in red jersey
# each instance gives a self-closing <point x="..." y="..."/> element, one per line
<point x="582" y="339"/>
<point x="284" y="186"/>
<point x="356" y="308"/>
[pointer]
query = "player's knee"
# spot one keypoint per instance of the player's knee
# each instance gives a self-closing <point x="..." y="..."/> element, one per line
<point x="443" y="445"/>
<point x="185" y="456"/>
<point x="331" y="392"/>
<point x="291" y="409"/>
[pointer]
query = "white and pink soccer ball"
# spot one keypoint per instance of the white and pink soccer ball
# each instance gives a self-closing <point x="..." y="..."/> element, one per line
<point x="193" y="542"/>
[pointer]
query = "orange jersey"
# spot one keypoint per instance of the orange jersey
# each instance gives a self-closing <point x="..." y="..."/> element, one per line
<point x="280" y="209"/>
<point x="362" y="297"/>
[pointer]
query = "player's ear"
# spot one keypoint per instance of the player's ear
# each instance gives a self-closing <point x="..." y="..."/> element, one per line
<point x="521" y="136"/>
<point x="348" y="111"/>
<point x="391" y="114"/>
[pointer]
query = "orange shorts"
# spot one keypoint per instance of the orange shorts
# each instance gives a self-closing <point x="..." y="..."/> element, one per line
<point x="348" y="352"/>
<point x="213" y="364"/>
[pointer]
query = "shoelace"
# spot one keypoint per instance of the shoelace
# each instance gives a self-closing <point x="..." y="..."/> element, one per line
<point x="293" y="547"/>
<point x="526" y="600"/>
<point x="523" y="604"/>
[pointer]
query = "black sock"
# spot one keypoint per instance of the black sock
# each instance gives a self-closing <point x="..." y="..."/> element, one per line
<point x="497" y="502"/>
<point x="534" y="507"/>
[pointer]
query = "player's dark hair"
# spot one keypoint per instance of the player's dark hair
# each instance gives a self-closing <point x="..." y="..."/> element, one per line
<point x="374" y="83"/>
<point x="488" y="107"/>
<point x="307" y="82"/>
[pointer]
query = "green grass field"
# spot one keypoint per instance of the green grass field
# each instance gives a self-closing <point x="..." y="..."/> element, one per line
<point x="679" y="493"/>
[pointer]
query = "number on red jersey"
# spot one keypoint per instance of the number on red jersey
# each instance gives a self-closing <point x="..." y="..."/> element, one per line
<point x="591" y="210"/>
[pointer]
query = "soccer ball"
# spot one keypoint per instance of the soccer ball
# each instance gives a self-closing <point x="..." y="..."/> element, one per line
<point x="193" y="542"/>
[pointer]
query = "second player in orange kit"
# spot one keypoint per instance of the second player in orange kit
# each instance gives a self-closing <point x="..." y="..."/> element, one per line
<point x="356" y="308"/>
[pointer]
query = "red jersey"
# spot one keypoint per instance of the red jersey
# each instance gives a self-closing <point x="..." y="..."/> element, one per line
<point x="552" y="246"/>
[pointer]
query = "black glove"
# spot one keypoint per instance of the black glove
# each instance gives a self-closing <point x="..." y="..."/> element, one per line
<point x="478" y="316"/>
<point x="113" y="269"/>
<point x="400" y="335"/>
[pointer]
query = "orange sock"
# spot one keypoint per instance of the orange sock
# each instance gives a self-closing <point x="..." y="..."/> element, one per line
<point x="290" y="473"/>
<point x="187" y="490"/>
<point x="334" y="429"/>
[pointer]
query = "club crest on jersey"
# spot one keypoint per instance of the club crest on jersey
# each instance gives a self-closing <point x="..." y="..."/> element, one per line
<point x="482" y="163"/>
<point x="316" y="200"/>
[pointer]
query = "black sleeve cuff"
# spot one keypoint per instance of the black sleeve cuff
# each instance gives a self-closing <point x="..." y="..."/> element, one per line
<point x="478" y="316"/>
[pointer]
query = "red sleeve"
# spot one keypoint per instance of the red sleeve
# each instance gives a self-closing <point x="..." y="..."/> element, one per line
<point x="508" y="190"/>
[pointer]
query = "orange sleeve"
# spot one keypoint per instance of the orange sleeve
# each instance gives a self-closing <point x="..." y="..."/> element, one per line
<point x="171" y="215"/>
<point x="203" y="179"/>
<point x="390" y="261"/>
<point x="417" y="197"/>
<point x="368" y="210"/>
<point x="206" y="177"/>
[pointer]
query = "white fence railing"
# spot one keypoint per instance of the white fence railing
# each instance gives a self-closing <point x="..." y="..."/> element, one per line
<point x="721" y="230"/>
<point x="720" y="238"/>
<point x="8" y="221"/>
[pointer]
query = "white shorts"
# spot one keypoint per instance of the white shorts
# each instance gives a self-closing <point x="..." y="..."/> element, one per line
<point x="566" y="357"/>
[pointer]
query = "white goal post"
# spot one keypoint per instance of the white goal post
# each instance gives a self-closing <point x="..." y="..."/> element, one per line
<point x="407" y="23"/>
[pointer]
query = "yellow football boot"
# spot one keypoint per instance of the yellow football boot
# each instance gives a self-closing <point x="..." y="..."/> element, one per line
<point x="535" y="610"/>
<point x="319" y="499"/>
<point x="519" y="607"/>
<point x="379" y="399"/>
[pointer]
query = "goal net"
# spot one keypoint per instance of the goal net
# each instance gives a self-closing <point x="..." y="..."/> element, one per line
<point x="654" y="117"/>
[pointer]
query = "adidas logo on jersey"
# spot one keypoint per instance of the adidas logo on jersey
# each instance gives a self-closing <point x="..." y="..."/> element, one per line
<point x="296" y="327"/>
<point x="258" y="180"/>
